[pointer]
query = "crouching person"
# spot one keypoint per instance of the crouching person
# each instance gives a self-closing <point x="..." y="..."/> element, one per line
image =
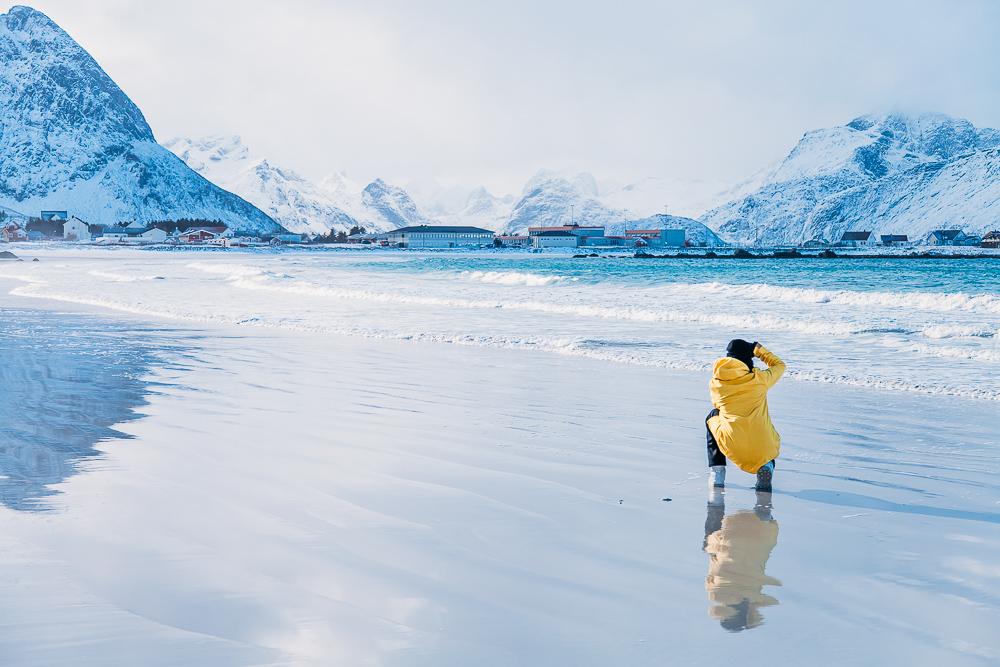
<point x="739" y="426"/>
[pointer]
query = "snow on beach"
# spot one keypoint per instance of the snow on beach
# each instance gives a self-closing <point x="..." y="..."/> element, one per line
<point x="315" y="479"/>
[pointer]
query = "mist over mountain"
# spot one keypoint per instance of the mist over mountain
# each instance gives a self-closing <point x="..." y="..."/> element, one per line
<point x="71" y="139"/>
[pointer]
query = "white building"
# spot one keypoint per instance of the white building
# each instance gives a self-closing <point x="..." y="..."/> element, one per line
<point x="858" y="239"/>
<point x="153" y="235"/>
<point x="76" y="229"/>
<point x="440" y="236"/>
<point x="555" y="238"/>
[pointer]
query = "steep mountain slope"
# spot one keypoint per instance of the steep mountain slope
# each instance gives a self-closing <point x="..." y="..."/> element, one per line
<point x="335" y="203"/>
<point x="71" y="139"/>
<point x="386" y="206"/>
<point x="891" y="174"/>
<point x="295" y="202"/>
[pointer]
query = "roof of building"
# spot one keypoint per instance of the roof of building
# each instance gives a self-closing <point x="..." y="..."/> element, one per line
<point x="555" y="232"/>
<point x="947" y="233"/>
<point x="856" y="236"/>
<point x="564" y="228"/>
<point x="992" y="235"/>
<point x="895" y="237"/>
<point x="440" y="229"/>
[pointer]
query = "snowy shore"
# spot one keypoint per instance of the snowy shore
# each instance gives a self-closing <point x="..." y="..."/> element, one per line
<point x="299" y="497"/>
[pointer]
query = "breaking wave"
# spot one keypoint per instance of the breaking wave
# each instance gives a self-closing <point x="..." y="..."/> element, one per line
<point x="927" y="301"/>
<point x="121" y="277"/>
<point x="518" y="278"/>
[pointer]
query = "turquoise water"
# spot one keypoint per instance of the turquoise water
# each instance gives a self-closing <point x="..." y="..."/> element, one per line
<point x="970" y="276"/>
<point x="924" y="326"/>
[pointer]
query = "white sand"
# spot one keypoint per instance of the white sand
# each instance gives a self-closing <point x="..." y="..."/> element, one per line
<point x="302" y="498"/>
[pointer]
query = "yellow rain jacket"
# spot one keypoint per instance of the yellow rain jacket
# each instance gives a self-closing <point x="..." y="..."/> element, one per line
<point x="743" y="426"/>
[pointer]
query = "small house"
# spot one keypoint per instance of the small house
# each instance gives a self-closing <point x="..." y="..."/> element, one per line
<point x="153" y="235"/>
<point x="946" y="237"/>
<point x="894" y="239"/>
<point x="817" y="242"/>
<point x="197" y="235"/>
<point x="857" y="239"/>
<point x="12" y="233"/>
<point x="991" y="240"/>
<point x="76" y="229"/>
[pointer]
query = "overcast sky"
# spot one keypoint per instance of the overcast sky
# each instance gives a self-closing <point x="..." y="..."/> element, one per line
<point x="475" y="92"/>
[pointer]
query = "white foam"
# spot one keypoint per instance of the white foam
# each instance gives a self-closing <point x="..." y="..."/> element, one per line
<point x="121" y="277"/>
<point x="928" y="301"/>
<point x="519" y="278"/>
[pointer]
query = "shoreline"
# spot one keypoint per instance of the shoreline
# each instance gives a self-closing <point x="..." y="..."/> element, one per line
<point x="422" y="497"/>
<point x="721" y="253"/>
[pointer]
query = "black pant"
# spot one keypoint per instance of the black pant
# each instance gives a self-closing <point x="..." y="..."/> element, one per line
<point x="715" y="455"/>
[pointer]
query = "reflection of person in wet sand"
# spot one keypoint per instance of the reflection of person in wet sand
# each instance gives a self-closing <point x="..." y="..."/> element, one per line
<point x="738" y="547"/>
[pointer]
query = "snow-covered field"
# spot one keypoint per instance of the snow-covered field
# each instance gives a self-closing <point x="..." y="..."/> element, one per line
<point x="314" y="477"/>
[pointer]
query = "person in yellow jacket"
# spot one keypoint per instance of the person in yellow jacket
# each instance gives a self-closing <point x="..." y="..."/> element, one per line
<point x="739" y="426"/>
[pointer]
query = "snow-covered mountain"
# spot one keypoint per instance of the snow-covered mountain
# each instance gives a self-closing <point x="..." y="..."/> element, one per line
<point x="897" y="173"/>
<point x="336" y="203"/>
<point x="550" y="199"/>
<point x="292" y="200"/>
<point x="70" y="139"/>
<point x="388" y="206"/>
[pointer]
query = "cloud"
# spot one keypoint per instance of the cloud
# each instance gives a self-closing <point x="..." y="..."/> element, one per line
<point x="489" y="92"/>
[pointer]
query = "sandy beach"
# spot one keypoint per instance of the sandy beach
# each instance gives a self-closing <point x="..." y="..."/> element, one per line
<point x="286" y="496"/>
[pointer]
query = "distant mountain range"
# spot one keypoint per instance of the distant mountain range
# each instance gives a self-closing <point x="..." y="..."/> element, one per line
<point x="899" y="174"/>
<point x="338" y="203"/>
<point x="896" y="173"/>
<point x="70" y="139"/>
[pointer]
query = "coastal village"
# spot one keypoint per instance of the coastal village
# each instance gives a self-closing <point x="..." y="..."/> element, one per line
<point x="62" y="226"/>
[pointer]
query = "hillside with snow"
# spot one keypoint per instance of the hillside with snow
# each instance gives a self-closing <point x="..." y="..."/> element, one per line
<point x="898" y="174"/>
<point x="71" y="139"/>
<point x="335" y="203"/>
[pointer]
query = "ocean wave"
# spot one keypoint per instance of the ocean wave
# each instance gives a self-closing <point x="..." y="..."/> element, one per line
<point x="123" y="278"/>
<point x="947" y="352"/>
<point x="260" y="280"/>
<point x="234" y="272"/>
<point x="517" y="278"/>
<point x="927" y="301"/>
<point x="939" y="331"/>
<point x="577" y="347"/>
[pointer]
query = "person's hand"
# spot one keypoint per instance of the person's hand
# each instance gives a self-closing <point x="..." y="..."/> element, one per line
<point x="756" y="348"/>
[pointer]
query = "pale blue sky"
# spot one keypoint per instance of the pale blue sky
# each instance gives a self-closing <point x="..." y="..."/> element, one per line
<point x="473" y="92"/>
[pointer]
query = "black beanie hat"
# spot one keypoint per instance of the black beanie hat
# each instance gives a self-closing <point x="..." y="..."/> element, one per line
<point x="741" y="350"/>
